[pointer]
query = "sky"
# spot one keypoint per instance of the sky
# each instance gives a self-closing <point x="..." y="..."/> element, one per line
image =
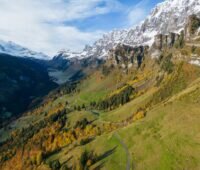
<point x="49" y="26"/>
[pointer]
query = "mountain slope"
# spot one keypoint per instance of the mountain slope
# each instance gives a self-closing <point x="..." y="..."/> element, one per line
<point x="160" y="117"/>
<point x="143" y="116"/>
<point x="21" y="81"/>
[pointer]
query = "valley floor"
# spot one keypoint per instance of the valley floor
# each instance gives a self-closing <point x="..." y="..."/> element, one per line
<point x="166" y="137"/>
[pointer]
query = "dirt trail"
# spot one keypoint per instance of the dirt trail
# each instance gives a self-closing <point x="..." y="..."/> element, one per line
<point x="128" y="156"/>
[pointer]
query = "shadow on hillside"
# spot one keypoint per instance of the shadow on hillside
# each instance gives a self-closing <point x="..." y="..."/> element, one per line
<point x="49" y="154"/>
<point x="87" y="141"/>
<point x="107" y="153"/>
<point x="103" y="156"/>
<point x="101" y="165"/>
<point x="65" y="162"/>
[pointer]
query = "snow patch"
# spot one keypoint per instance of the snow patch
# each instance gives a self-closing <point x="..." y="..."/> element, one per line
<point x="195" y="62"/>
<point x="16" y="50"/>
<point x="168" y="16"/>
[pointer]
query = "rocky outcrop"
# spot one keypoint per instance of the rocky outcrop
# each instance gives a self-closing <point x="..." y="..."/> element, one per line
<point x="192" y="27"/>
<point x="190" y="31"/>
<point x="127" y="57"/>
<point x="166" y="41"/>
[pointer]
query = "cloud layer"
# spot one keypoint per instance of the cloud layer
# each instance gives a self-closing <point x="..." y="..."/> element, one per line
<point x="41" y="24"/>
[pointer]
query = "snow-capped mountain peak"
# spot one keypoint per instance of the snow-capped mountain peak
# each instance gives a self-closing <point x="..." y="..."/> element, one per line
<point x="14" y="49"/>
<point x="68" y="54"/>
<point x="168" y="16"/>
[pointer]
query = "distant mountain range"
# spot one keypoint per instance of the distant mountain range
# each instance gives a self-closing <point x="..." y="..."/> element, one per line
<point x="168" y="16"/>
<point x="14" y="49"/>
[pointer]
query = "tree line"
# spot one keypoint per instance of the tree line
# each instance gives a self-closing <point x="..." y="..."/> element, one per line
<point x="115" y="100"/>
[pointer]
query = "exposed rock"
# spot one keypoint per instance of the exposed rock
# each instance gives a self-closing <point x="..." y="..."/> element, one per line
<point x="127" y="56"/>
<point x="165" y="41"/>
<point x="192" y="27"/>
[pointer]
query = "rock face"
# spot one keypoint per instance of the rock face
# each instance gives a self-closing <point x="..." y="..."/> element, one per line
<point x="127" y="56"/>
<point x="168" y="16"/>
<point x="190" y="31"/>
<point x="166" y="41"/>
<point x="192" y="27"/>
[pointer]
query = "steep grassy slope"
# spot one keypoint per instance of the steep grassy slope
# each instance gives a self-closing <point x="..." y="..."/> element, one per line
<point x="156" y="129"/>
<point x="167" y="138"/>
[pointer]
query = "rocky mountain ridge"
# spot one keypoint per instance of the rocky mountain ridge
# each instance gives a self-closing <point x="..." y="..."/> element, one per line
<point x="127" y="57"/>
<point x="168" y="16"/>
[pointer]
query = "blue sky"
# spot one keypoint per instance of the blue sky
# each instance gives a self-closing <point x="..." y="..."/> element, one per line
<point x="117" y="19"/>
<point x="51" y="25"/>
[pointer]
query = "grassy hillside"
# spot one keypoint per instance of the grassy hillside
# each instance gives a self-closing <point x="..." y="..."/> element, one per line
<point x="157" y="127"/>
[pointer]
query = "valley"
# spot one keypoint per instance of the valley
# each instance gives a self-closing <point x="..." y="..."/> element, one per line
<point x="23" y="83"/>
<point x="129" y="102"/>
<point x="156" y="119"/>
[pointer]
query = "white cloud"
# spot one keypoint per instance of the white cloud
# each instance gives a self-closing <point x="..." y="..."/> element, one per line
<point x="38" y="24"/>
<point x="136" y="15"/>
<point x="138" y="12"/>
